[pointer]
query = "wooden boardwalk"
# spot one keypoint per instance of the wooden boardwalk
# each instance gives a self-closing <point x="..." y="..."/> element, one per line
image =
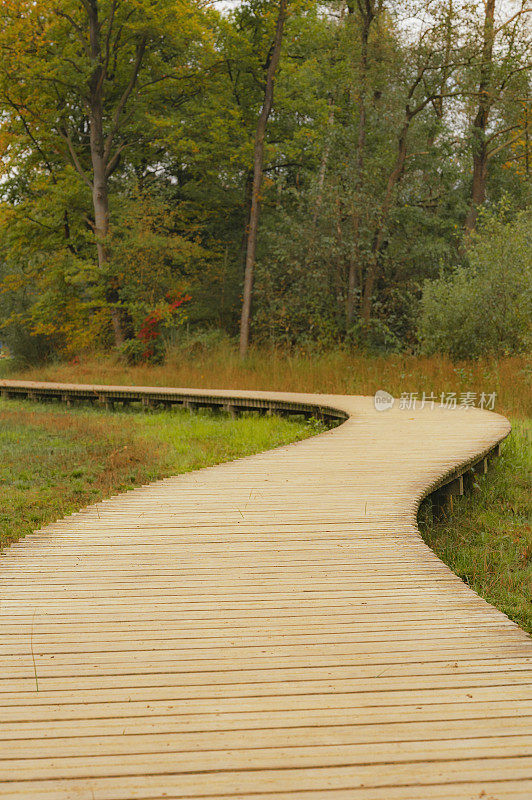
<point x="272" y="628"/>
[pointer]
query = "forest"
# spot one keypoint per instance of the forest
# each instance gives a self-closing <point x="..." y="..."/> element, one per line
<point x="285" y="173"/>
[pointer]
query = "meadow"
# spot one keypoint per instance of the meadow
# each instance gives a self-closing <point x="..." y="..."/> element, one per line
<point x="340" y="371"/>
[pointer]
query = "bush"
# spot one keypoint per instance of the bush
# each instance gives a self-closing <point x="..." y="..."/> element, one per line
<point x="195" y="342"/>
<point x="135" y="351"/>
<point x="485" y="307"/>
<point x="377" y="338"/>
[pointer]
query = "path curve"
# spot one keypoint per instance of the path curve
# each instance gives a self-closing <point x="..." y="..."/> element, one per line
<point x="272" y="628"/>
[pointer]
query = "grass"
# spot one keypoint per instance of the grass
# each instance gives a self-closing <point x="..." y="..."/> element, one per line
<point x="487" y="539"/>
<point x="54" y="461"/>
<point x="340" y="371"/>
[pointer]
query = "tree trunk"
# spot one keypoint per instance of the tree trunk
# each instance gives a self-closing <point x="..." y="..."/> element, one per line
<point x="258" y="158"/>
<point x="352" y="274"/>
<point x="527" y="145"/>
<point x="369" y="284"/>
<point x="368" y="13"/>
<point x="248" y="194"/>
<point x="100" y="201"/>
<point x="323" y="169"/>
<point x="100" y="188"/>
<point x="393" y="180"/>
<point x="480" y="148"/>
<point x="478" y="188"/>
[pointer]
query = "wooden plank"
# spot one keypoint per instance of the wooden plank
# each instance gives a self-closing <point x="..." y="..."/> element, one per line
<point x="142" y="785"/>
<point x="182" y="741"/>
<point x="448" y="713"/>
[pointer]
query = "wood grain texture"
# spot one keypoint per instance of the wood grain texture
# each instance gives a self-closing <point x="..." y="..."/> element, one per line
<point x="269" y="628"/>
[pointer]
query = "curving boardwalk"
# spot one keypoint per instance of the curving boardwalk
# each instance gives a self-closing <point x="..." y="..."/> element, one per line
<point x="272" y="628"/>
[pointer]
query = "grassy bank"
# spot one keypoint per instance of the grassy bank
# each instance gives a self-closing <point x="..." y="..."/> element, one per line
<point x="340" y="372"/>
<point x="487" y="539"/>
<point x="55" y="461"/>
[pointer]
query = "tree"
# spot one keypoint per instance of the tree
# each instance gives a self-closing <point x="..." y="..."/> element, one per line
<point x="141" y="143"/>
<point x="86" y="71"/>
<point x="504" y="54"/>
<point x="369" y="11"/>
<point x="272" y="61"/>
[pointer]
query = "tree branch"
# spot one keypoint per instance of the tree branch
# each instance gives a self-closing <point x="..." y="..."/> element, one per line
<point x="114" y="161"/>
<point x="27" y="128"/>
<point x="502" y="146"/>
<point x="517" y="14"/>
<point x="499" y="133"/>
<point x="77" y="28"/>
<point x="108" y="36"/>
<point x="74" y="157"/>
<point x="141" y="49"/>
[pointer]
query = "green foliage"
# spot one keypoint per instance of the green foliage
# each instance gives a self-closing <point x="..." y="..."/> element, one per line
<point x="378" y="337"/>
<point x="59" y="288"/>
<point x="134" y="351"/>
<point x="485" y="307"/>
<point x="195" y="343"/>
<point x="341" y="202"/>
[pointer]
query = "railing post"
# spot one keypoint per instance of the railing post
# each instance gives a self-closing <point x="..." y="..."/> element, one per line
<point x="481" y="467"/>
<point x="442" y="498"/>
<point x="105" y="402"/>
<point x="229" y="409"/>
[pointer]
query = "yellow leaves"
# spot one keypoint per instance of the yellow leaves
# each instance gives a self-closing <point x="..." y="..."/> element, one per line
<point x="7" y="214"/>
<point x="13" y="283"/>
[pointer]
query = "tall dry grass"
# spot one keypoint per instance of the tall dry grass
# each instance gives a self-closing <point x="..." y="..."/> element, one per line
<point x="338" y="372"/>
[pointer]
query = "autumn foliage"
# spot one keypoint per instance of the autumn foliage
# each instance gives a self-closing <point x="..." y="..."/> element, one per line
<point x="150" y="150"/>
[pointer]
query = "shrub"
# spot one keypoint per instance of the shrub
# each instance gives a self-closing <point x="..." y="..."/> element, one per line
<point x="195" y="342"/>
<point x="485" y="307"/>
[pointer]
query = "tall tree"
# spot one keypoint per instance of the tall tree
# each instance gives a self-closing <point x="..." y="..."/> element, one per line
<point x="85" y="71"/>
<point x="502" y="56"/>
<point x="273" y="58"/>
<point x="369" y="11"/>
<point x="480" y="122"/>
<point x="428" y="66"/>
<point x="105" y="151"/>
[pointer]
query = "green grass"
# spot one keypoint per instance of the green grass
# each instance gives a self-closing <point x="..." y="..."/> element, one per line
<point x="54" y="461"/>
<point x="487" y="538"/>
